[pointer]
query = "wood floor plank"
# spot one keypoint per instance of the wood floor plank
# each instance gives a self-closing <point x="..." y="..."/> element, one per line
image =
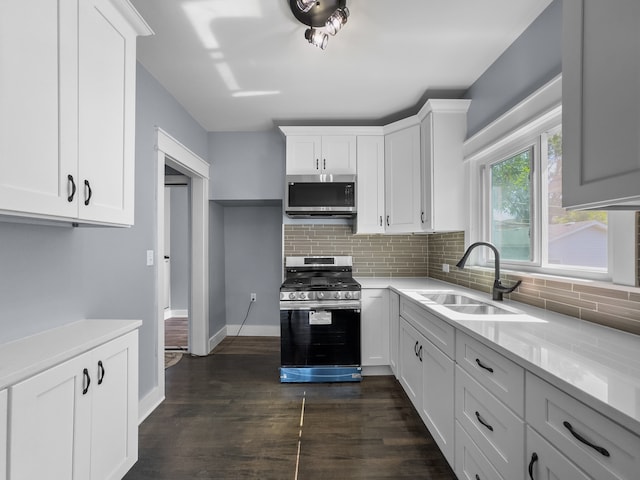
<point x="227" y="416"/>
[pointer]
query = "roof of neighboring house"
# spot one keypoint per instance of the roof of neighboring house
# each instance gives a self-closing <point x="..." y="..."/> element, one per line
<point x="562" y="230"/>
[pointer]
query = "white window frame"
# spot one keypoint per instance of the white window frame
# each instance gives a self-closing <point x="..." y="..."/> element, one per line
<point x="538" y="113"/>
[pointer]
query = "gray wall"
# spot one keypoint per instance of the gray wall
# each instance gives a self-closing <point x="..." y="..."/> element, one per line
<point x="253" y="263"/>
<point x="246" y="165"/>
<point x="180" y="249"/>
<point x="530" y="62"/>
<point x="41" y="281"/>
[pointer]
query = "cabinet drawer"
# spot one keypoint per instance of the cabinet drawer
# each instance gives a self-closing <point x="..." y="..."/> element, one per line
<point x="471" y="464"/>
<point x="439" y="332"/>
<point x="553" y="413"/>
<point x="491" y="425"/>
<point x="545" y="462"/>
<point x="499" y="375"/>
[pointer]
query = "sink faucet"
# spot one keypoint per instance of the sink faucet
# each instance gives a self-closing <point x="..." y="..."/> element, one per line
<point x="498" y="288"/>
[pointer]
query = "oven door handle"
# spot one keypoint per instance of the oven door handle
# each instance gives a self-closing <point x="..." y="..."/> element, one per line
<point x="344" y="305"/>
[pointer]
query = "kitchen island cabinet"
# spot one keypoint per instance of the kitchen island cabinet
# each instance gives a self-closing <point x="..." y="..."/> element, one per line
<point x="600" y="104"/>
<point x="67" y="128"/>
<point x="74" y="404"/>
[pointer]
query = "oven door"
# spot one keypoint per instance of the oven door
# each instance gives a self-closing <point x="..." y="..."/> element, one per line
<point x="320" y="337"/>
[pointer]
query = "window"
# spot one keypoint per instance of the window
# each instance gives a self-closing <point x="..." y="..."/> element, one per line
<point x="524" y="217"/>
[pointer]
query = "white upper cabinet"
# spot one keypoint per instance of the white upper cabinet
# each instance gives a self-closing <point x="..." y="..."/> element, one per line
<point x="601" y="103"/>
<point x="370" y="185"/>
<point x="321" y="154"/>
<point x="402" y="180"/>
<point x="443" y="131"/>
<point x="67" y="124"/>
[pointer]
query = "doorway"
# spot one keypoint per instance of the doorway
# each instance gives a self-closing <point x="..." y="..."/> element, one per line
<point x="172" y="153"/>
<point x="176" y="260"/>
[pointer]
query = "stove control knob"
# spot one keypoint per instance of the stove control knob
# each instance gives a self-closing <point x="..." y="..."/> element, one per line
<point x="303" y="295"/>
<point x="320" y="294"/>
<point x="292" y="296"/>
<point x="347" y="295"/>
<point x="336" y="295"/>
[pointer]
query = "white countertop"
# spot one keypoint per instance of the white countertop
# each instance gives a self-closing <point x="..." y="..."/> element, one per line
<point x="599" y="366"/>
<point x="29" y="356"/>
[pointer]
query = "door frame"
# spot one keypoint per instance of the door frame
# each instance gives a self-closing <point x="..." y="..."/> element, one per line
<point x="177" y="156"/>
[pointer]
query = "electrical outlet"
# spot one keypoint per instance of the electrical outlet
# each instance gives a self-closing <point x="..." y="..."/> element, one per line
<point x="445" y="267"/>
<point x="149" y="258"/>
<point x="254" y="297"/>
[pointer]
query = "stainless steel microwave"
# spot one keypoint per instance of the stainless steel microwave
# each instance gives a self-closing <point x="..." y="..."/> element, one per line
<point x="320" y="195"/>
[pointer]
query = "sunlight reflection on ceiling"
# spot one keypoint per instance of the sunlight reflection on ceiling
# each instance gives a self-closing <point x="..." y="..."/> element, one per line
<point x="202" y="15"/>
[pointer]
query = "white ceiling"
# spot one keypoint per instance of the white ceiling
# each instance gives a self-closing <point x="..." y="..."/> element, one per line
<point x="244" y="65"/>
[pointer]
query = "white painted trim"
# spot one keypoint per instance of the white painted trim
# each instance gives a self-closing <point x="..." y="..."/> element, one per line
<point x="179" y="157"/>
<point x="150" y="402"/>
<point x="168" y="313"/>
<point x="376" y="370"/>
<point x="329" y="130"/>
<point x="254" y="330"/>
<point x="185" y="157"/>
<point x="215" y="340"/>
<point x="126" y="9"/>
<point x="540" y="103"/>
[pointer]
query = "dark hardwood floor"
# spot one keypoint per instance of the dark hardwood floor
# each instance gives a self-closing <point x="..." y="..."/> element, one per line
<point x="226" y="416"/>
<point x="176" y="333"/>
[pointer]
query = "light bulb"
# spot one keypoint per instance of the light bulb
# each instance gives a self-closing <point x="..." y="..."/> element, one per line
<point x="337" y="20"/>
<point x="316" y="37"/>
<point x="305" y="5"/>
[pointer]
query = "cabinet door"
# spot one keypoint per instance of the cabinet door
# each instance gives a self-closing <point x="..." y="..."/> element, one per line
<point x="114" y="419"/>
<point x="3" y="434"/>
<point x="339" y="154"/>
<point x="50" y="421"/>
<point x="38" y="85"/>
<point x="370" y="187"/>
<point x="402" y="180"/>
<point x="303" y="154"/>
<point x="437" y="397"/>
<point x="375" y="327"/>
<point x="544" y="462"/>
<point x="106" y="113"/>
<point x="394" y="331"/>
<point x="410" y="364"/>
<point x="600" y="102"/>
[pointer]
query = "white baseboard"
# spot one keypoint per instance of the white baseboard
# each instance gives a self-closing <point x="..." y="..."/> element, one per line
<point x="254" y="330"/>
<point x="215" y="340"/>
<point x="376" y="370"/>
<point x="169" y="313"/>
<point x="149" y="403"/>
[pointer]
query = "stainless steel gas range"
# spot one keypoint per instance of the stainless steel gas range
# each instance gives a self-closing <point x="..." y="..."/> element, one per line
<point x="320" y="321"/>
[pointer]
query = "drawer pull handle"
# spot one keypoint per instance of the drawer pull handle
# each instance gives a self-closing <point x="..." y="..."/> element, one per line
<point x="415" y="349"/>
<point x="420" y="353"/>
<point x="73" y="188"/>
<point x="101" y="372"/>
<point x="481" y="365"/>
<point x="483" y="422"/>
<point x="534" y="459"/>
<point x="600" y="450"/>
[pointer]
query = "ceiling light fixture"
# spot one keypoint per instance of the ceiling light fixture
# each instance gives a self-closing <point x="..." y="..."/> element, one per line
<point x="324" y="17"/>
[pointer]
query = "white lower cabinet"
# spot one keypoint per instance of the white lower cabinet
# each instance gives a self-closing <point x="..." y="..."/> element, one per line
<point x="394" y="331"/>
<point x="471" y="464"/>
<point x="78" y="419"/>
<point x="544" y="462"/>
<point x="374" y="334"/>
<point x="491" y="425"/>
<point x="427" y="376"/>
<point x="602" y="448"/>
<point x="437" y="413"/>
<point x="3" y="434"/>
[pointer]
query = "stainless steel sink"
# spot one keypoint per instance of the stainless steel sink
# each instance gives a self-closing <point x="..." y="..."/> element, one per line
<point x="450" y="299"/>
<point x="478" y="309"/>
